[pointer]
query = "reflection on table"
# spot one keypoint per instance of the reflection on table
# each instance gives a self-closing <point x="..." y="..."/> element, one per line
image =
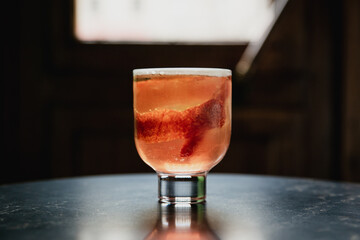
<point x="182" y="221"/>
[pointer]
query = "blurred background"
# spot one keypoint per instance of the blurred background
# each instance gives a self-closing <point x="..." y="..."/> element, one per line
<point x="67" y="82"/>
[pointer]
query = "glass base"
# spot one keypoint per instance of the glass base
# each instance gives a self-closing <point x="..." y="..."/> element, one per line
<point x="182" y="188"/>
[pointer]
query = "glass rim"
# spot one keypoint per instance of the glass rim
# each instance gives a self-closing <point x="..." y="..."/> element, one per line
<point x="216" y="72"/>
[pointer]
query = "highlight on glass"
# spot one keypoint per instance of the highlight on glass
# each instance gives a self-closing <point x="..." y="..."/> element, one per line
<point x="182" y="126"/>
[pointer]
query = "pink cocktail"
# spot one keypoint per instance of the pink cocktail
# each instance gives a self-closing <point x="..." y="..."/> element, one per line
<point x="182" y="126"/>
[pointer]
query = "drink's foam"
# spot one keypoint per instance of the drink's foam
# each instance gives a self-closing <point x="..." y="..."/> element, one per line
<point x="216" y="72"/>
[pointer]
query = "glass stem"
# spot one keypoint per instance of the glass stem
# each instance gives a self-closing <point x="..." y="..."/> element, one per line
<point x="182" y="188"/>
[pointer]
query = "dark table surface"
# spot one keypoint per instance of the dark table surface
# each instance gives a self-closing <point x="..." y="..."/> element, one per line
<point x="126" y="207"/>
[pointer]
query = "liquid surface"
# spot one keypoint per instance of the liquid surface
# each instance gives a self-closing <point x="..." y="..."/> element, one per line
<point x="182" y="122"/>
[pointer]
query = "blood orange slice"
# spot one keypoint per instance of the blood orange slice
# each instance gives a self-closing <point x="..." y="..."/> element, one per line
<point x="166" y="125"/>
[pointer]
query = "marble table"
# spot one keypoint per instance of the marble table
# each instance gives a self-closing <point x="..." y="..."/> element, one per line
<point x="125" y="207"/>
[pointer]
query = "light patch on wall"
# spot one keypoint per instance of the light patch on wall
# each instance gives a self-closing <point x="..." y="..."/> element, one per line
<point x="172" y="20"/>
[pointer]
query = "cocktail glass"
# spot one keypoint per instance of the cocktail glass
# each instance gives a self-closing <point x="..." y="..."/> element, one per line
<point x="182" y="126"/>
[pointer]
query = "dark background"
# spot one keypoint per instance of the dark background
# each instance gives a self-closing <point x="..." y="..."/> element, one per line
<point x="67" y="106"/>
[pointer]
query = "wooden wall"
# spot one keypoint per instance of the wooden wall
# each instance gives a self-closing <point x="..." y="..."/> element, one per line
<point x="351" y="92"/>
<point x="68" y="106"/>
